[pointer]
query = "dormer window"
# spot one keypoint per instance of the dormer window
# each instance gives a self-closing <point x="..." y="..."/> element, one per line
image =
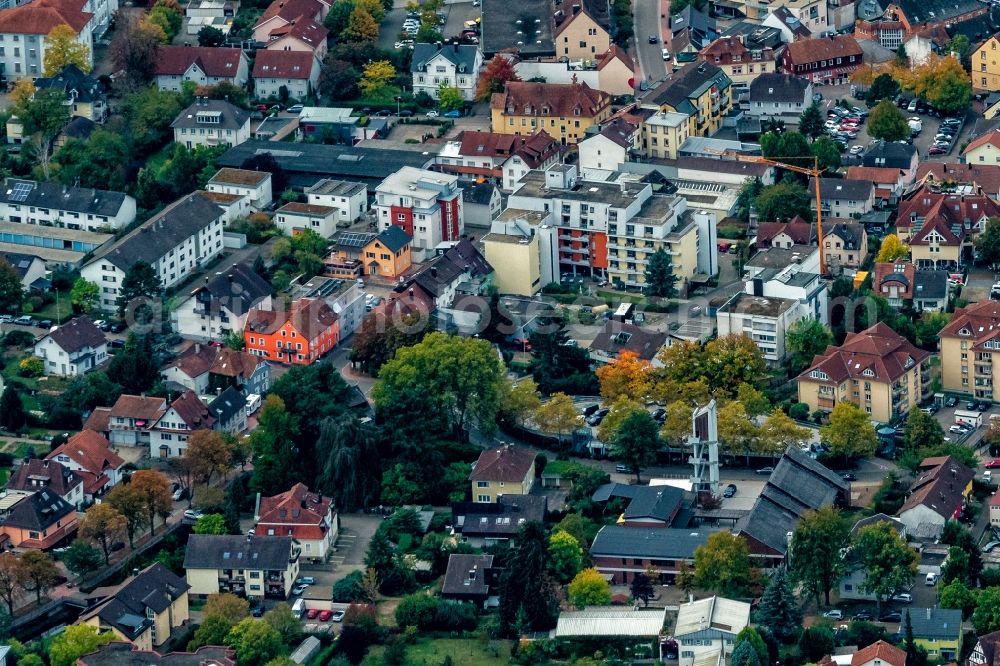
<point x="868" y="373"/>
<point x="819" y="374"/>
<point x="965" y="331"/>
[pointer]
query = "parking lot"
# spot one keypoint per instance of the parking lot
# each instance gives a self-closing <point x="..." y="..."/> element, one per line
<point x="457" y="14"/>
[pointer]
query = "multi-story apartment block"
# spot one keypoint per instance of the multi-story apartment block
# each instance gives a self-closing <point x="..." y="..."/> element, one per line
<point x="986" y="65"/>
<point x="168" y="435"/>
<point x="941" y="227"/>
<point x="24" y="28"/>
<point x="426" y="204"/>
<point x="564" y="110"/>
<point x="454" y="65"/>
<point x="969" y="350"/>
<point x="220" y="306"/>
<point x="892" y="22"/>
<point x="204" y="65"/>
<point x="701" y="91"/>
<point x="742" y="64"/>
<point x="254" y="566"/>
<point x="610" y="229"/>
<point x="504" y="157"/>
<point x="826" y="60"/>
<point x="779" y="95"/>
<point x="877" y="369"/>
<point x="295" y="71"/>
<point x="349" y="198"/>
<point x="186" y="235"/>
<point x="299" y="334"/>
<point x="763" y="320"/>
<point x="662" y="134"/>
<point x="55" y="205"/>
<point x="844" y="198"/>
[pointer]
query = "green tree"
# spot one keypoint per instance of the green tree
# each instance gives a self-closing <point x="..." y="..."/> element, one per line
<point x="82" y="558"/>
<point x="922" y="430"/>
<point x="636" y="442"/>
<point x="273" y="444"/>
<point x="13" y="416"/>
<point x="285" y="622"/>
<point x="85" y="296"/>
<point x="74" y="642"/>
<point x="818" y="532"/>
<point x="133" y="368"/>
<point x="787" y="147"/>
<point x="887" y="122"/>
<point x="518" y="401"/>
<point x="167" y="17"/>
<point x="751" y="636"/>
<point x="811" y="121"/>
<point x="642" y="588"/>
<point x="957" y="595"/>
<point x="744" y="655"/>
<point x="11" y="290"/>
<point x="988" y="244"/>
<point x="450" y="98"/>
<point x="783" y="201"/>
<point x="944" y="83"/>
<point x="565" y="556"/>
<point x="779" y="611"/>
<point x="660" y="278"/>
<point x="255" y="641"/>
<point x="210" y="36"/>
<point x="986" y="617"/>
<point x="416" y="610"/>
<point x="827" y="153"/>
<point x="588" y="588"/>
<point x="210" y="523"/>
<point x="804" y="340"/>
<point x="722" y="564"/>
<point x="527" y="600"/>
<point x="140" y="281"/>
<point x="882" y="87"/>
<point x="849" y="433"/>
<point x="228" y="607"/>
<point x="43" y="117"/>
<point x="816" y="642"/>
<point x="889" y="564"/>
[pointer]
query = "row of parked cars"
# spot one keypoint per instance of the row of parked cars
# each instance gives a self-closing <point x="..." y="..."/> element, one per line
<point x="843" y="125"/>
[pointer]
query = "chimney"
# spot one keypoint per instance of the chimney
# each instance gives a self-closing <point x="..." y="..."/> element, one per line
<point x="434" y="271"/>
<point x="411" y="293"/>
<point x="197" y="347"/>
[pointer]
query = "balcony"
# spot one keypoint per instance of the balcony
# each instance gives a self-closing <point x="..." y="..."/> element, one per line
<point x="829" y="403"/>
<point x="984" y="369"/>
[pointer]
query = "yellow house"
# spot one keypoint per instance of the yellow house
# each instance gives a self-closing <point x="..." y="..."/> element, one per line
<point x="681" y="244"/>
<point x="938" y="631"/>
<point x="877" y="369"/>
<point x="741" y="64"/>
<point x="986" y="65"/>
<point x="248" y="566"/>
<point x="663" y="133"/>
<point x="699" y="90"/>
<point x="578" y="36"/>
<point x="564" y="110"/>
<point x="984" y="150"/>
<point x="145" y="610"/>
<point x="516" y="263"/>
<point x="505" y="470"/>
<point x="388" y="254"/>
<point x="970" y="350"/>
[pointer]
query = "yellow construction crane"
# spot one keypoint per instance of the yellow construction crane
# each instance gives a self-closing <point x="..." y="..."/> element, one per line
<point x="815" y="171"/>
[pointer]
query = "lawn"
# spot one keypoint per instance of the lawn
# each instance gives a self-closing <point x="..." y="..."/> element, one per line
<point x="463" y="652"/>
<point x="51" y="311"/>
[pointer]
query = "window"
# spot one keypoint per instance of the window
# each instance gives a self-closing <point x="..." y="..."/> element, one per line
<point x="482" y="484"/>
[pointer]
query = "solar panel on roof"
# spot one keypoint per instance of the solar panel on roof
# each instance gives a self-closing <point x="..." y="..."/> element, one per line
<point x="353" y="239"/>
<point x="20" y="192"/>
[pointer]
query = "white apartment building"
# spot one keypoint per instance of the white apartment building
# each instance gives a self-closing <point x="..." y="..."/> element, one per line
<point x="295" y="216"/>
<point x="23" y="30"/>
<point x="55" y="205"/>
<point x="183" y="237"/>
<point x="203" y="65"/>
<point x="349" y="198"/>
<point x="763" y="320"/>
<point x="254" y="185"/>
<point x="452" y="65"/>
<point x="426" y="204"/>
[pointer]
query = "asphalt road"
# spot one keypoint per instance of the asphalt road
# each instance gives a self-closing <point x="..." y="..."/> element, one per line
<point x="646" y="17"/>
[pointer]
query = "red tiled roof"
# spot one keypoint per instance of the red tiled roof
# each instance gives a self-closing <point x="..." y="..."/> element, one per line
<point x="302" y="28"/>
<point x="882" y="175"/>
<point x="197" y="359"/>
<point x="992" y="139"/>
<point x="36" y="474"/>
<point x="192" y="411"/>
<point x="534" y="149"/>
<point x="824" y="48"/>
<point x="283" y="64"/>
<point x="509" y="464"/>
<point x="886" y="652"/>
<point x="983" y="176"/>
<point x="308" y="316"/>
<point x="954" y="216"/>
<point x="139" y="407"/>
<point x="886" y="272"/>
<point x="615" y="51"/>
<point x="99" y="420"/>
<point x="289" y="10"/>
<point x="727" y="48"/>
<point x="296" y="512"/>
<point x="525" y="98"/>
<point x="801" y="232"/>
<point x="940" y="487"/>
<point x="214" y="62"/>
<point x="980" y="320"/>
<point x="91" y="451"/>
<point x="41" y="16"/>
<point x="879" y="349"/>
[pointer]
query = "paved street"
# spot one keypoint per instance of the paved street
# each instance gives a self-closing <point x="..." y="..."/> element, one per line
<point x="646" y="18"/>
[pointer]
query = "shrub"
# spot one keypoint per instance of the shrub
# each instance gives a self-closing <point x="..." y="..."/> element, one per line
<point x="30" y="367"/>
<point x="799" y="411"/>
<point x="417" y="610"/>
<point x="455" y="616"/>
<point x="20" y="339"/>
<point x="349" y="588"/>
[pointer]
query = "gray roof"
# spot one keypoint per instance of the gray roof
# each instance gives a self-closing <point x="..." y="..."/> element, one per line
<point x="394" y="238"/>
<point x="504" y="23"/>
<point x="38" y="512"/>
<point x="156" y="588"/>
<point x="850" y="232"/>
<point x="797" y="484"/>
<point x="71" y="79"/>
<point x="463" y="56"/>
<point x="654" y="543"/>
<point x="616" y="337"/>
<point x="227" y="404"/>
<point x="661" y="502"/>
<point x="938" y="623"/>
<point x="77" y="334"/>
<point x="936" y="11"/>
<point x="457" y="580"/>
<point x="60" y="197"/>
<point x="237" y="289"/>
<point x="213" y="551"/>
<point x="930" y="284"/>
<point x="892" y="155"/>
<point x="19" y="262"/>
<point x="160" y="234"/>
<point x="689" y="17"/>
<point x="501" y="519"/>
<point x="779" y="88"/>
<point x="478" y="193"/>
<point x="843" y="188"/>
<point x="231" y="117"/>
<point x="677" y="89"/>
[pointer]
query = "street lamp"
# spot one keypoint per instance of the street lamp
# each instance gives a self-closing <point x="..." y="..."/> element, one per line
<point x="398" y="99"/>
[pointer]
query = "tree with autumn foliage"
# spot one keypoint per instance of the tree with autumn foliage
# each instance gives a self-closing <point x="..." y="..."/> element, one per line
<point x="62" y="48"/>
<point x="153" y="490"/>
<point x="495" y="76"/>
<point x="21" y="93"/>
<point x="104" y="525"/>
<point x="944" y="83"/>
<point x="209" y="453"/>
<point x="377" y="77"/>
<point x="361" y="27"/>
<point x="627" y="375"/>
<point x="892" y="249"/>
<point x="134" y="50"/>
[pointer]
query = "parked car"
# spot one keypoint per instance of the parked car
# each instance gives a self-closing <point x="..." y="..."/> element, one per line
<point x="324" y="616"/>
<point x="453" y="114"/>
<point x="936" y="150"/>
<point x="666" y="54"/>
<point x="296" y="108"/>
<point x="257" y="611"/>
<point x="24" y="320"/>
<point x="312" y="613"/>
<point x="903" y="597"/>
<point x="951" y="401"/>
<point x="857" y="150"/>
<point x="863" y="615"/>
<point x="984" y="406"/>
<point x="432" y="114"/>
<point x="930" y="579"/>
<point x="192" y="514"/>
<point x="299" y="589"/>
<point x="957" y="430"/>
<point x="338" y="616"/>
<point x="730" y="491"/>
<point x="892" y="616"/>
<point x="835" y="614"/>
<point x="305" y="580"/>
<point x="179" y="494"/>
<point x="765" y="470"/>
<point x="623" y="469"/>
<point x="993" y="464"/>
<point x="848" y="476"/>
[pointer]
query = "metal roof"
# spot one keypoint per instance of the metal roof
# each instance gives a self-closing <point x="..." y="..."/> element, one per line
<point x="611" y="621"/>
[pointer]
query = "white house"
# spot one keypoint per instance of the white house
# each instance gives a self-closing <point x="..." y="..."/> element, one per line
<point x="23" y="31"/>
<point x="220" y="306"/>
<point x="601" y="154"/>
<point x="427" y="204"/>
<point x="843" y="197"/>
<point x="779" y="95"/>
<point x="763" y="320"/>
<point x="29" y="267"/>
<point x="308" y="517"/>
<point x="297" y="216"/>
<point x="254" y="185"/>
<point x="203" y="65"/>
<point x="73" y="348"/>
<point x="708" y="627"/>
<point x="349" y="198"/>
<point x="55" y="205"/>
<point x="169" y="434"/>
<point x="90" y="457"/>
<point x="186" y="235"/>
<point x="452" y="65"/>
<point x="295" y="71"/>
<point x="211" y="122"/>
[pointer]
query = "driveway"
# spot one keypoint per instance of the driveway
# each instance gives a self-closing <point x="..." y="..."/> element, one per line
<point x="356" y="532"/>
<point x="646" y="17"/>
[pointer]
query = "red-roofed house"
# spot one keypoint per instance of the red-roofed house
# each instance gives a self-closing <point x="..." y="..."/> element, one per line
<point x="26" y="26"/>
<point x="827" y="60"/>
<point x="940" y="227"/>
<point x="984" y="150"/>
<point x="496" y="155"/>
<point x="786" y="234"/>
<point x="297" y="71"/>
<point x="205" y="65"/>
<point x="169" y="434"/>
<point x="877" y="369"/>
<point x="307" y="517"/>
<point x="281" y="13"/>
<point x="888" y="182"/>
<point x="507" y="470"/>
<point x="131" y="417"/>
<point x="297" y="335"/>
<point x="89" y="455"/>
<point x="879" y="653"/>
<point x="301" y="34"/>
<point x="938" y="495"/>
<point x="983" y="178"/>
<point x="30" y="476"/>
<point x="994" y="504"/>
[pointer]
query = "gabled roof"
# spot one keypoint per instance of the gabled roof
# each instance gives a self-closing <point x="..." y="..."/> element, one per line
<point x="227" y="405"/>
<point x="197" y="359"/>
<point x="76" y="335"/>
<point x="987" y="644"/>
<point x="843" y="188"/>
<point x="467" y="574"/>
<point x="91" y="451"/>
<point x="508" y="463"/>
<point x="215" y="62"/>
<point x="237" y="289"/>
<point x="99" y="420"/>
<point x="289" y="10"/>
<point x="880" y="175"/>
<point x="940" y="487"/>
<point x="244" y="177"/>
<point x="890" y="155"/>
<point x="936" y="623"/>
<point x="231" y="117"/>
<point x="653" y="543"/>
<point x="39" y="511"/>
<point x="613" y="53"/>
<point x="479" y="194"/>
<point x="123" y="653"/>
<point x="979" y="322"/>
<point x="192" y="411"/>
<point x="901" y="273"/>
<point x="139" y="407"/>
<point x="502" y="519"/>
<point x="689" y="82"/>
<point x="616" y="337"/>
<point x="304" y="29"/>
<point x="777" y="87"/>
<point x="154" y="589"/>
<point x="297" y="513"/>
<point x="534" y="149"/>
<point x="658" y="502"/>
<point x="524" y="98"/>
<point x="394" y="238"/>
<point x="983" y="176"/>
<point x="824" y="48"/>
<point x="228" y="551"/>
<point x="791" y="21"/>
<point x="71" y="79"/>
<point x="35" y="474"/>
<point x="462" y="56"/>
<point x="723" y="615"/>
<point x="876" y="354"/>
<point x="39" y="17"/>
<point x="60" y="197"/>
<point x="283" y="64"/>
<point x="852" y="233"/>
<point x="799" y="231"/>
<point x="886" y="653"/>
<point x="619" y="130"/>
<point x="309" y="316"/>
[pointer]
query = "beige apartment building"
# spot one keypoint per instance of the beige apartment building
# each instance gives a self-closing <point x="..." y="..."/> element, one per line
<point x="515" y="262"/>
<point x="877" y="369"/>
<point x="969" y="350"/>
<point x="662" y="134"/>
<point x="986" y="65"/>
<point x="580" y="37"/>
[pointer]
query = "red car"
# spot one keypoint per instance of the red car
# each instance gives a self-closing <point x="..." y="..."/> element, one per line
<point x="993" y="464"/>
<point x="325" y="616"/>
<point x="936" y="150"/>
<point x="312" y="613"/>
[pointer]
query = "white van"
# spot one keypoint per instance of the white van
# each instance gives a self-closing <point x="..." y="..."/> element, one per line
<point x="931" y="579"/>
<point x="299" y="608"/>
<point x="253" y="403"/>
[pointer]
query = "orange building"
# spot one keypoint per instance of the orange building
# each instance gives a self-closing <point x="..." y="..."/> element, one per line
<point x="41" y="520"/>
<point x="299" y="335"/>
<point x="388" y="254"/>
